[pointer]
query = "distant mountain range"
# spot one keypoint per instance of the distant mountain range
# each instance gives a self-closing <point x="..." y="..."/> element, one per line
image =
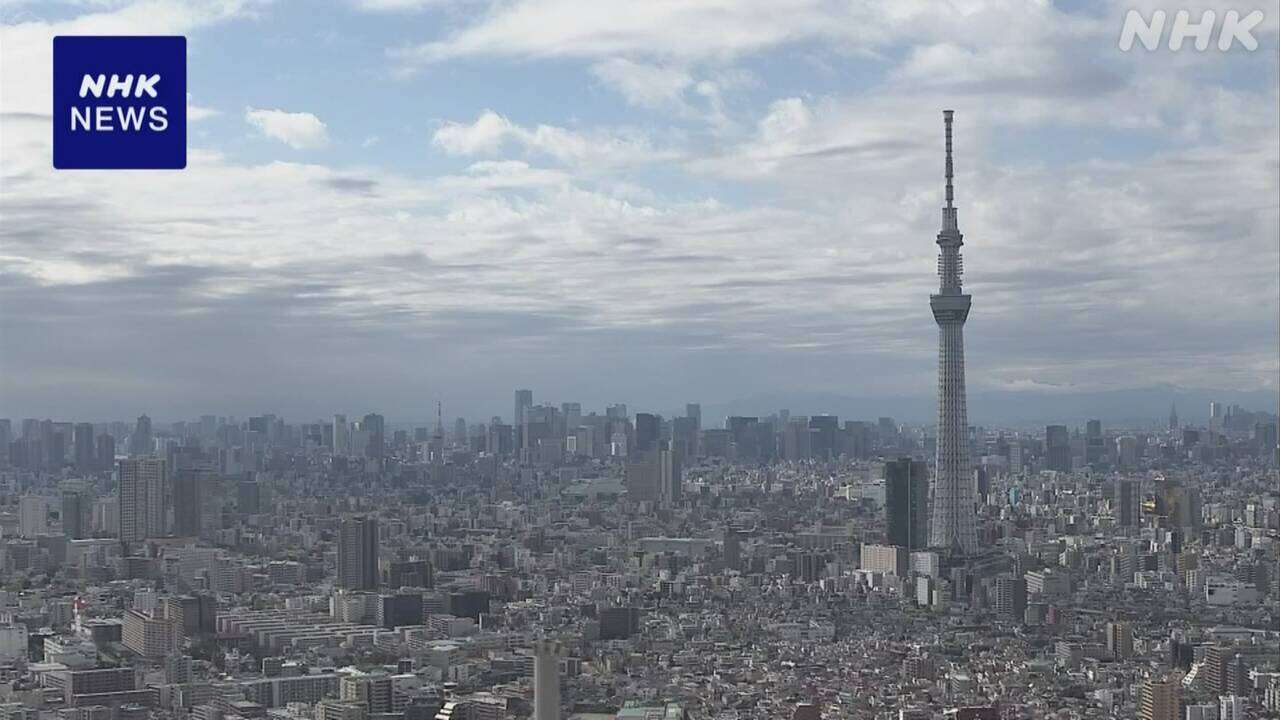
<point x="1136" y="407"/>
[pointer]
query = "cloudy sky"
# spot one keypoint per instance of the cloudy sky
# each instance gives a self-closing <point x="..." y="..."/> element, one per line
<point x="393" y="201"/>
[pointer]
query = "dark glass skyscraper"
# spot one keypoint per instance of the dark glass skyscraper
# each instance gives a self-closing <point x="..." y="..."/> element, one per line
<point x="647" y="431"/>
<point x="823" y="429"/>
<point x="84" y="448"/>
<point x="1057" y="448"/>
<point x="906" y="503"/>
<point x="1128" y="505"/>
<point x="376" y="426"/>
<point x="524" y="401"/>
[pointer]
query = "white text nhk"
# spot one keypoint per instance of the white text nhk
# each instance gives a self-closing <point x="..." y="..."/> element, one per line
<point x="1232" y="30"/>
<point x="108" y="118"/>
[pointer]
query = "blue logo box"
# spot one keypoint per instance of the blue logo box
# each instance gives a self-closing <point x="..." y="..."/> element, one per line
<point x="119" y="102"/>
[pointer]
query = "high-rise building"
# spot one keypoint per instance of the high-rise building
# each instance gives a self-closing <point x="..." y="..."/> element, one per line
<point x="148" y="635"/>
<point x="1095" y="448"/>
<point x="1057" y="448"/>
<point x="694" y="412"/>
<point x="54" y="438"/>
<point x="84" y="448"/>
<point x="192" y="614"/>
<point x="953" y="524"/>
<point x="143" y="493"/>
<point x="797" y="440"/>
<point x="358" y="553"/>
<point x="1011" y="595"/>
<point x="1160" y="699"/>
<point x="376" y="427"/>
<point x="654" y="476"/>
<point x="76" y="513"/>
<point x="188" y="499"/>
<point x="906" y="503"/>
<point x="546" y="679"/>
<point x="647" y="431"/>
<point x="684" y="436"/>
<point x="886" y="559"/>
<point x="1128" y="505"/>
<point x="1265" y="438"/>
<point x="141" y="442"/>
<point x="1182" y="504"/>
<point x="341" y="435"/>
<point x="1127" y="452"/>
<point x="106" y="452"/>
<point x="1120" y="639"/>
<point x="823" y="430"/>
<point x="1223" y="671"/>
<point x="524" y="401"/>
<point x="745" y="433"/>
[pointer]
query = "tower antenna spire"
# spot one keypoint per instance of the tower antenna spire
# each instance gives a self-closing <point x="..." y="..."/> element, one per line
<point x="950" y="225"/>
<point x="946" y="116"/>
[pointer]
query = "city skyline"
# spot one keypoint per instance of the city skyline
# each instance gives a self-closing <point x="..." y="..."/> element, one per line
<point x="636" y="216"/>
<point x="920" y="411"/>
<point x="565" y="360"/>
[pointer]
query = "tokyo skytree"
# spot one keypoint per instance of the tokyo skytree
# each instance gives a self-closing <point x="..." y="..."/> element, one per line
<point x="952" y="524"/>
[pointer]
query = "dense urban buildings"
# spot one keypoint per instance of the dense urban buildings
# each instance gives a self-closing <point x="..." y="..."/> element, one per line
<point x="629" y="565"/>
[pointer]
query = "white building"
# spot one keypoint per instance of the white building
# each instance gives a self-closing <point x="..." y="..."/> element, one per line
<point x="1230" y="707"/>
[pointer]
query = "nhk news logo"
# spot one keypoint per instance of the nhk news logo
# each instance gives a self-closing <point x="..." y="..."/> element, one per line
<point x="119" y="102"/>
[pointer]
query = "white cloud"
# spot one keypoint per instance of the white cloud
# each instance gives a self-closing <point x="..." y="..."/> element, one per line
<point x="599" y="148"/>
<point x="645" y="85"/>
<point x="196" y="113"/>
<point x="298" y="130"/>
<point x="667" y="28"/>
<point x="398" y="5"/>
<point x="484" y="136"/>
